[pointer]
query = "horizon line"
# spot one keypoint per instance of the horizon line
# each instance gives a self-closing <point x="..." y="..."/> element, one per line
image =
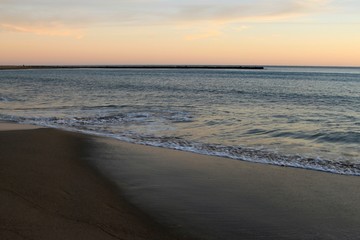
<point x="22" y="66"/>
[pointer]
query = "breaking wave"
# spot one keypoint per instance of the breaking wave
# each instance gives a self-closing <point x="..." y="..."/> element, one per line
<point x="86" y="125"/>
<point x="6" y="99"/>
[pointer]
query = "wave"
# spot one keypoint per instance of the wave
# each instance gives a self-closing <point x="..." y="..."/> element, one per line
<point x="108" y="118"/>
<point x="86" y="125"/>
<point x="130" y="117"/>
<point x="6" y="99"/>
<point x="103" y="106"/>
<point x="253" y="155"/>
<point x="332" y="137"/>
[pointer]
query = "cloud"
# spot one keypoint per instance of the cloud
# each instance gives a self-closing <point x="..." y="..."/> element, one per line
<point x="254" y="11"/>
<point x="215" y="19"/>
<point x="212" y="31"/>
<point x="204" y="34"/>
<point x="52" y="31"/>
<point x="154" y="11"/>
<point x="66" y="17"/>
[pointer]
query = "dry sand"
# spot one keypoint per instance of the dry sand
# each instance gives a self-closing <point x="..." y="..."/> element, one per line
<point x="48" y="192"/>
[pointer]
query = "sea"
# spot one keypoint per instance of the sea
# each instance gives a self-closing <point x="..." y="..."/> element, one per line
<point x="303" y="117"/>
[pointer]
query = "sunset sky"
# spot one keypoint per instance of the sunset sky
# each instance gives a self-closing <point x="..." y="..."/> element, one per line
<point x="244" y="32"/>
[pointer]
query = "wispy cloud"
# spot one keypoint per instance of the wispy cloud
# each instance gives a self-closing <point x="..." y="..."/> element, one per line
<point x="49" y="31"/>
<point x="254" y="11"/>
<point x="212" y="31"/>
<point x="65" y="17"/>
<point x="154" y="11"/>
<point x="201" y="34"/>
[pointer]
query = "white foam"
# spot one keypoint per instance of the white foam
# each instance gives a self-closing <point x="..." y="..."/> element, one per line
<point x="233" y="152"/>
<point x="6" y="99"/>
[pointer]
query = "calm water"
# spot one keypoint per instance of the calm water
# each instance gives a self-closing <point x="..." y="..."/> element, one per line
<point x="300" y="117"/>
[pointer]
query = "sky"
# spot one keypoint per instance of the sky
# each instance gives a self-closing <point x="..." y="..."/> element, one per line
<point x="242" y="32"/>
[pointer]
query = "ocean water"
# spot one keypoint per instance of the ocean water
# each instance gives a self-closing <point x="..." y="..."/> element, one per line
<point x="306" y="117"/>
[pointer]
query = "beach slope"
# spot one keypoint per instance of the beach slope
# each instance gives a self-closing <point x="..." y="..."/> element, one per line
<point x="218" y="198"/>
<point x="48" y="192"/>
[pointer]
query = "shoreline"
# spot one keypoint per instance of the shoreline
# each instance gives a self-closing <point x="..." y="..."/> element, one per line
<point x="309" y="166"/>
<point x="161" y="193"/>
<point x="22" y="67"/>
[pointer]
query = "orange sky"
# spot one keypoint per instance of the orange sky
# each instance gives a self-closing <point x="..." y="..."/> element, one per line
<point x="312" y="32"/>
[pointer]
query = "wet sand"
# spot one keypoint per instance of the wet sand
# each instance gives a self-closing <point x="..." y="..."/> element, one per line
<point x="61" y="185"/>
<point x="47" y="191"/>
<point x="219" y="198"/>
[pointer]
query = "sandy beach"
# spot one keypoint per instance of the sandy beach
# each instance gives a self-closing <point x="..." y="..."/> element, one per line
<point x="219" y="198"/>
<point x="184" y="120"/>
<point x="62" y="185"/>
<point x="48" y="192"/>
